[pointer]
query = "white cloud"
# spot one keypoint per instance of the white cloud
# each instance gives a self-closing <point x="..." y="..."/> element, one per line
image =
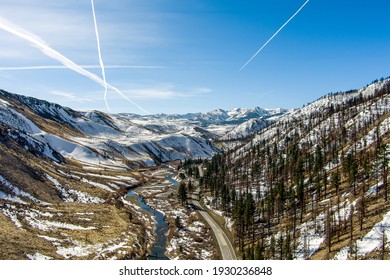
<point x="64" y="96"/>
<point x="54" y="54"/>
<point x="164" y="92"/>
<point x="59" y="26"/>
<point x="68" y="27"/>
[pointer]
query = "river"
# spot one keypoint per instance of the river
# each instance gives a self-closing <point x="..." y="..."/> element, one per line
<point x="159" y="248"/>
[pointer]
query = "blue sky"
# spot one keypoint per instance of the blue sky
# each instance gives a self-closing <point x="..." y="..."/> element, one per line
<point x="188" y="53"/>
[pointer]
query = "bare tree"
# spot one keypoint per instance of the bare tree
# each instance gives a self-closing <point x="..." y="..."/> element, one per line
<point x="384" y="243"/>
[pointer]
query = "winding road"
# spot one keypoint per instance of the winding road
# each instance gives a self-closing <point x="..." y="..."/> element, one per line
<point x="225" y="246"/>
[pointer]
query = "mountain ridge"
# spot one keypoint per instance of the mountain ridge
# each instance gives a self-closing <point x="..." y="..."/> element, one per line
<point x="314" y="184"/>
<point x="298" y="176"/>
<point x="154" y="137"/>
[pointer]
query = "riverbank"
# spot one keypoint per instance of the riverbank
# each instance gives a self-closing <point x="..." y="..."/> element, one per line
<point x="160" y="229"/>
<point x="188" y="237"/>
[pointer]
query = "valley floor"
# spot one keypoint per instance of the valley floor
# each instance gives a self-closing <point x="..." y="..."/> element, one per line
<point x="106" y="225"/>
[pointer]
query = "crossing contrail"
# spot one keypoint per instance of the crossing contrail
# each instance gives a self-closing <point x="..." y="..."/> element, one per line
<point x="50" y="52"/>
<point x="276" y="33"/>
<point x="100" y="55"/>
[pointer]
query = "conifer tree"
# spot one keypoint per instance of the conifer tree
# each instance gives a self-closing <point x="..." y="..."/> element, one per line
<point x="328" y="230"/>
<point x="384" y="166"/>
<point x="384" y="243"/>
<point x="336" y="181"/>
<point x="182" y="193"/>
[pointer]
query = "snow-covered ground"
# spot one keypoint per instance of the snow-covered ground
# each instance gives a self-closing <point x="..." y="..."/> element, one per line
<point x="72" y="195"/>
<point x="17" y="193"/>
<point x="372" y="241"/>
<point x="312" y="235"/>
<point x="38" y="256"/>
<point x="192" y="240"/>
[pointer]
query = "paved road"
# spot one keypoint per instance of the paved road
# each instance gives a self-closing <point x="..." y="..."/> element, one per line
<point x="226" y="248"/>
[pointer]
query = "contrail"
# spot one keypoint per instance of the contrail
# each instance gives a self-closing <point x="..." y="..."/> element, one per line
<point x="276" y="33"/>
<point x="100" y="55"/>
<point x="44" y="67"/>
<point x="50" y="52"/>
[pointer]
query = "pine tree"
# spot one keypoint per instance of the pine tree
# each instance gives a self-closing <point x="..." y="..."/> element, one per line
<point x="318" y="160"/>
<point x="384" y="243"/>
<point x="182" y="193"/>
<point x="177" y="222"/>
<point x="362" y="207"/>
<point x="238" y="213"/>
<point x="249" y="211"/>
<point x="325" y="180"/>
<point x="259" y="254"/>
<point x="299" y="179"/>
<point x="272" y="247"/>
<point x="328" y="230"/>
<point x="351" y="211"/>
<point x="384" y="166"/>
<point x="336" y="181"/>
<point x="350" y="169"/>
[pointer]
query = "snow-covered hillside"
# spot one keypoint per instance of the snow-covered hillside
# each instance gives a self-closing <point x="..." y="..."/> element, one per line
<point x="315" y="181"/>
<point x="313" y="117"/>
<point x="98" y="138"/>
<point x="246" y="129"/>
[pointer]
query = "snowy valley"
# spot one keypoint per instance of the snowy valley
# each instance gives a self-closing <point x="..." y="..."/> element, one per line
<point x="309" y="183"/>
<point x="65" y="175"/>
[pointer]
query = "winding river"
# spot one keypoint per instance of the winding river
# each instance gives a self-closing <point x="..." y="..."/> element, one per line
<point x="159" y="248"/>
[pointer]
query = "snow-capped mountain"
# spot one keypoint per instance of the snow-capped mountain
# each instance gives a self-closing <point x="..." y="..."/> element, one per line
<point x="246" y="129"/>
<point x="97" y="137"/>
<point x="235" y="116"/>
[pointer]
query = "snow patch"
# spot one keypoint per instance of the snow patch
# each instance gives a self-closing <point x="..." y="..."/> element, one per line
<point x="71" y="195"/>
<point x="80" y="250"/>
<point x="38" y="256"/>
<point x="373" y="189"/>
<point x="34" y="218"/>
<point x="342" y="254"/>
<point x="11" y="198"/>
<point x="104" y="187"/>
<point x="11" y="215"/>
<point x="312" y="234"/>
<point x="18" y="192"/>
<point x="370" y="242"/>
<point x="373" y="239"/>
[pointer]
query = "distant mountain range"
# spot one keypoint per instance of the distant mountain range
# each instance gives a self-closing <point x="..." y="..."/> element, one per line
<point x="97" y="136"/>
<point x="235" y="116"/>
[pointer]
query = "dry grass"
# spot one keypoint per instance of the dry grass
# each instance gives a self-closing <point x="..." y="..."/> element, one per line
<point x="16" y="243"/>
<point x="110" y="221"/>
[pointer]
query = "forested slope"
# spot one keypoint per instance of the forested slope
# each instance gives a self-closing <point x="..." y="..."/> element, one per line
<point x="314" y="185"/>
